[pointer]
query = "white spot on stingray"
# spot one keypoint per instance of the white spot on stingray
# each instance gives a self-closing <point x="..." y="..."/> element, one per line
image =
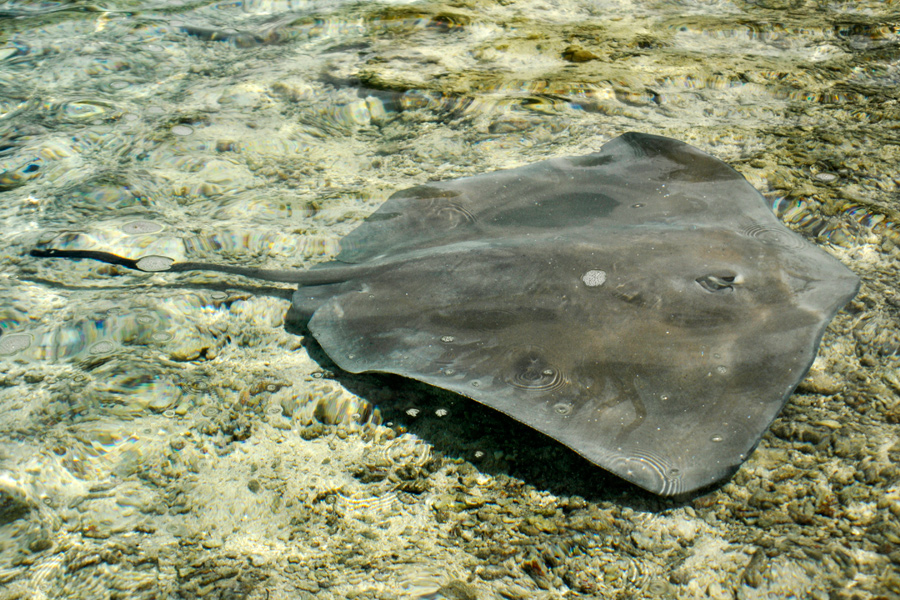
<point x="594" y="277"/>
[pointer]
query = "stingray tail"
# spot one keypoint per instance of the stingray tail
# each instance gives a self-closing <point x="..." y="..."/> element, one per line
<point x="156" y="264"/>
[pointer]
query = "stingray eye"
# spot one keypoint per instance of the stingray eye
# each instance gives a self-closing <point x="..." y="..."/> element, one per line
<point x="718" y="282"/>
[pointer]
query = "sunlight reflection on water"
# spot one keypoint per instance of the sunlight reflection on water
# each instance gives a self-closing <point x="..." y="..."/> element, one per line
<point x="261" y="132"/>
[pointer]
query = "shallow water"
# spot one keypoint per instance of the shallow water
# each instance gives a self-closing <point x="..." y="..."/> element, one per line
<point x="163" y="439"/>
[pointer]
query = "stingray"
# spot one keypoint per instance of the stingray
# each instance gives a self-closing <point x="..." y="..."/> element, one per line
<point x="642" y="305"/>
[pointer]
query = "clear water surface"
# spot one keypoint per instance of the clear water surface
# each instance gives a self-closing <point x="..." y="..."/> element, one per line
<point x="164" y="436"/>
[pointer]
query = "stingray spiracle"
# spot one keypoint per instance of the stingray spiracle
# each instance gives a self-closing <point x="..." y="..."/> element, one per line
<point x="532" y="372"/>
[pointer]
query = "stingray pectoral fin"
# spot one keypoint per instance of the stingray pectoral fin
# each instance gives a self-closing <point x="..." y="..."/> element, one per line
<point x="670" y="415"/>
<point x="645" y="371"/>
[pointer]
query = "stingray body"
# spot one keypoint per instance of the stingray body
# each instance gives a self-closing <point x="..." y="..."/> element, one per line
<point x="642" y="305"/>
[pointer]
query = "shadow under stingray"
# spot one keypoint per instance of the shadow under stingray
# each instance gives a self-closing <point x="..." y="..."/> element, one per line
<point x="496" y="444"/>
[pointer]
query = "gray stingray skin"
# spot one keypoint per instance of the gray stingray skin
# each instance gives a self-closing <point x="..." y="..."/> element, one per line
<point x="478" y="285"/>
<point x="642" y="305"/>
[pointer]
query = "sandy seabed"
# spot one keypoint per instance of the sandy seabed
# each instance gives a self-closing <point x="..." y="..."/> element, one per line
<point x="169" y="436"/>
